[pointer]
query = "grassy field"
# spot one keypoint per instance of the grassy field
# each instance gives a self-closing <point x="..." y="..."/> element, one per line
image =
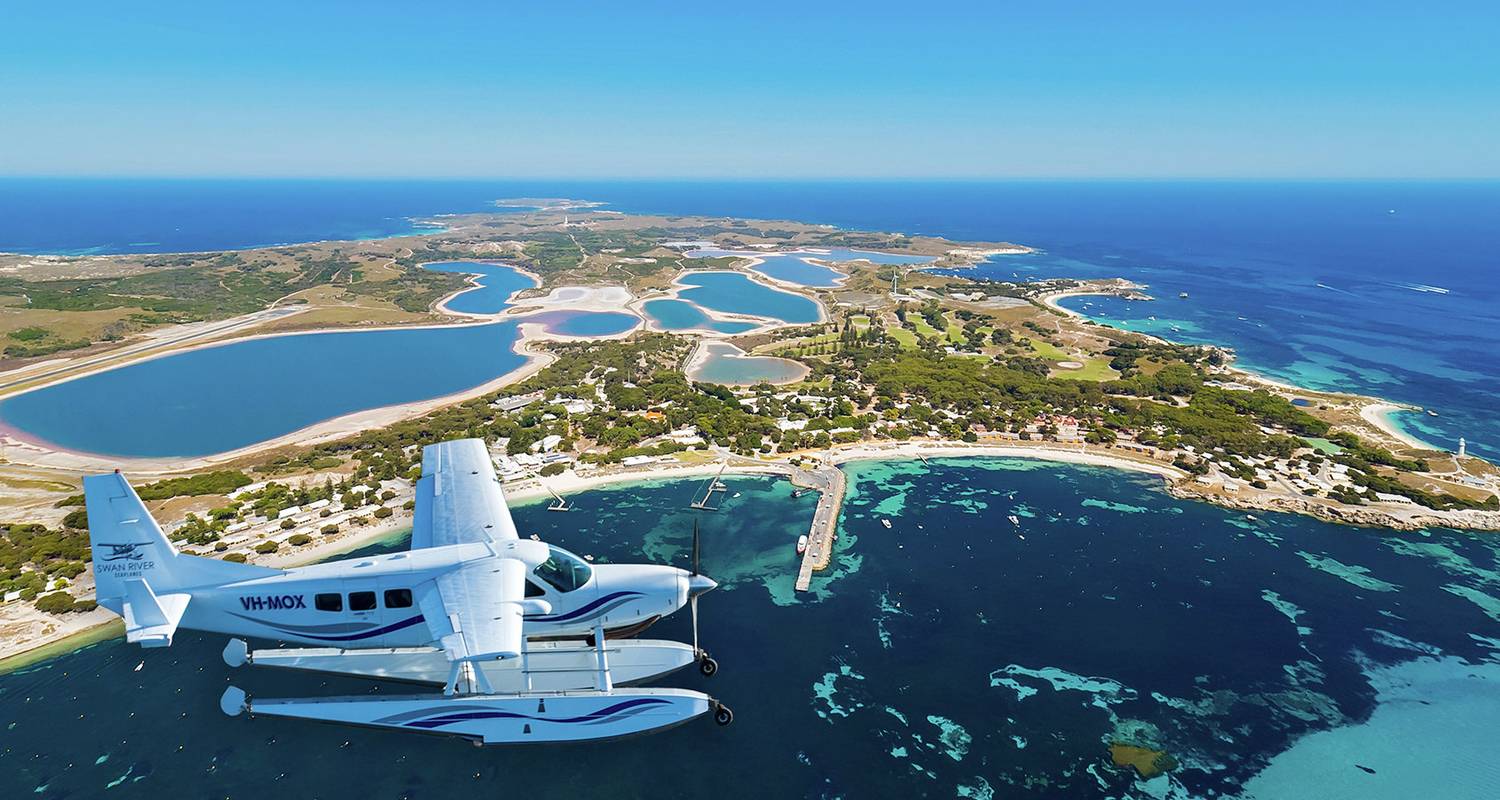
<point x="861" y="322"/>
<point x="1049" y="351"/>
<point x="793" y="344"/>
<point x="905" y="337"/>
<point x="956" y="333"/>
<point x="1094" y="369"/>
<point x="922" y="328"/>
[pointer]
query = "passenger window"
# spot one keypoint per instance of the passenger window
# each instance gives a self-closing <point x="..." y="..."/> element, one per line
<point x="532" y="590"/>
<point x="398" y="598"/>
<point x="361" y="601"/>
<point x="329" y="602"/>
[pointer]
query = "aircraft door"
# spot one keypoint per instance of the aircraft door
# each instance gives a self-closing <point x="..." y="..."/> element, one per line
<point x="398" y="605"/>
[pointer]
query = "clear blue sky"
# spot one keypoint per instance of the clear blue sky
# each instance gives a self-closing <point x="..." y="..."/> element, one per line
<point x="758" y="89"/>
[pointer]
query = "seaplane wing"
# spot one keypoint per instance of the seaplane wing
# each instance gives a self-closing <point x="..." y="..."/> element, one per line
<point x="476" y="610"/>
<point x="459" y="498"/>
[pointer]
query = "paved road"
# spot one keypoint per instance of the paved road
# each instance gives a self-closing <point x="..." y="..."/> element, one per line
<point x="177" y="335"/>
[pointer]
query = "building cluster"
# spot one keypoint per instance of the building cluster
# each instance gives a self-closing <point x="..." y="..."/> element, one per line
<point x="255" y="528"/>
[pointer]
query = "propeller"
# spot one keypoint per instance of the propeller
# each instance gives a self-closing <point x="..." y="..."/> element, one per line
<point x="698" y="584"/>
<point x="693" y="599"/>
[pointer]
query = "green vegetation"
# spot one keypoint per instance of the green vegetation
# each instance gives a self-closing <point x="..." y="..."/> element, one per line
<point x="1046" y="350"/>
<point x="32" y="555"/>
<point x="38" y="341"/>
<point x="1094" y="369"/>
<point x="904" y="337"/>
<point x="199" y="286"/>
<point x="29" y="334"/>
<point x="217" y="482"/>
<point x="63" y="603"/>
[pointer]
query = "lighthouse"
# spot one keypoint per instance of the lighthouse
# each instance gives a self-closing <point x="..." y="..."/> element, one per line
<point x="1461" y="445"/>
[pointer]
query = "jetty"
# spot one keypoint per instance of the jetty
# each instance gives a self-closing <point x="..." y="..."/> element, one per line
<point x="705" y="498"/>
<point x="828" y="480"/>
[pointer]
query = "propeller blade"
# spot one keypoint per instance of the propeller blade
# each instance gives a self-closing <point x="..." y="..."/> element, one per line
<point x="695" y="546"/>
<point x="693" y="609"/>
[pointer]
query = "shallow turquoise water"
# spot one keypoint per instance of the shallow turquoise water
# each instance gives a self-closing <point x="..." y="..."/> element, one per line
<point x="944" y="656"/>
<point x="680" y="315"/>
<point x="735" y="293"/>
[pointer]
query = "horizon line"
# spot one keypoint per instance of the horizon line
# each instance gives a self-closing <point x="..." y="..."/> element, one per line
<point x="776" y="178"/>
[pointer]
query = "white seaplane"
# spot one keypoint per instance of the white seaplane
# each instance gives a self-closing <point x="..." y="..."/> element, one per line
<point x="527" y="640"/>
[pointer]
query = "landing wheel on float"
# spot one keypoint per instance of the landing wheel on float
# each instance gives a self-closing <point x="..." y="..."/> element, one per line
<point x="707" y="665"/>
<point x="722" y="715"/>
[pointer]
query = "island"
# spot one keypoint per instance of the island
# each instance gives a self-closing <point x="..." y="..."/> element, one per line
<point x="588" y="347"/>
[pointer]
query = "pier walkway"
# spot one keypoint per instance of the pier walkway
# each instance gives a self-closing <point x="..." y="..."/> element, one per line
<point x="828" y="480"/>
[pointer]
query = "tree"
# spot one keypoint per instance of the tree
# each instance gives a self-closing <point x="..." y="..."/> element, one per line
<point x="287" y="524"/>
<point x="55" y="603"/>
<point x="235" y="558"/>
<point x="265" y="547"/>
<point x="299" y="539"/>
<point x="383" y="512"/>
<point x="552" y="469"/>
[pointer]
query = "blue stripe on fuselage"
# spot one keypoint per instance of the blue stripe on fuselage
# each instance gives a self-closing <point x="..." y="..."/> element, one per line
<point x="578" y="612"/>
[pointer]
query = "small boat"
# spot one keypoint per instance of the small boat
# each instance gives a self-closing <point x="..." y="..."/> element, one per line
<point x="886" y="523"/>
<point x="1182" y="295"/>
<point x="801" y="544"/>
<point x="1431" y="413"/>
<point x="796" y="493"/>
<point x="1014" y="520"/>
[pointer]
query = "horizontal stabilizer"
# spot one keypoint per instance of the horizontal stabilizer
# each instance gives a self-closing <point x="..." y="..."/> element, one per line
<point x="151" y="620"/>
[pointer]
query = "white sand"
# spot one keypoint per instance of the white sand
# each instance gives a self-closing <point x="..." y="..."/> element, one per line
<point x="1378" y="414"/>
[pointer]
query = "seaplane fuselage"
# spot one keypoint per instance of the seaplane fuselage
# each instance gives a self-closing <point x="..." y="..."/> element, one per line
<point x="374" y="601"/>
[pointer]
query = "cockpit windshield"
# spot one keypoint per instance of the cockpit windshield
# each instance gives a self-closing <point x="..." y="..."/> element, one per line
<point x="563" y="571"/>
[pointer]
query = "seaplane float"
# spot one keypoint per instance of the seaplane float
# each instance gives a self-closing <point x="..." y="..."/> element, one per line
<point x="528" y="642"/>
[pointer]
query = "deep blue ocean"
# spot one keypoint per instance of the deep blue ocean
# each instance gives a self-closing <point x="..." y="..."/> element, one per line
<point x="1383" y="288"/>
<point x="952" y="654"/>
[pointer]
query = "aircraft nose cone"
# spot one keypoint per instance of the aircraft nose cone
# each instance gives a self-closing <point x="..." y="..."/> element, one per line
<point x="698" y="584"/>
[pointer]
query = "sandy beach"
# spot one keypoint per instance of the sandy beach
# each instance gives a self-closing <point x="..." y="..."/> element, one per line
<point x="1052" y="301"/>
<point x="1378" y="414"/>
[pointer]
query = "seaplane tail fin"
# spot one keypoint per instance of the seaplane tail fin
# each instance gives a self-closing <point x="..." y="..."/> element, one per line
<point x="129" y="547"/>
